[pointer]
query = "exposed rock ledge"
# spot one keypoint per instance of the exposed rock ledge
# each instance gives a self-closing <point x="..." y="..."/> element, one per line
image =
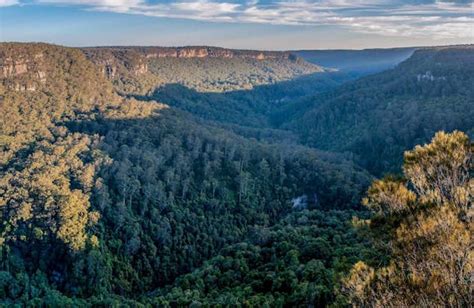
<point x="200" y="52"/>
<point x="12" y="69"/>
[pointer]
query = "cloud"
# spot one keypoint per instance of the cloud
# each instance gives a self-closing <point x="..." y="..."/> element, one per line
<point x="8" y="2"/>
<point x="118" y="6"/>
<point x="438" y="19"/>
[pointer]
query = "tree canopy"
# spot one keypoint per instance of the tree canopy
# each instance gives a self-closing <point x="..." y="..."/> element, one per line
<point x="425" y="220"/>
<point x="114" y="195"/>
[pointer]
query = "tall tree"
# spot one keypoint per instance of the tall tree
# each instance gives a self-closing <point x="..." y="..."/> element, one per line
<point x="426" y="221"/>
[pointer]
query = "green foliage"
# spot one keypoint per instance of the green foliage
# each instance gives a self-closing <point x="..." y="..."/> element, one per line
<point x="218" y="74"/>
<point x="296" y="262"/>
<point x="380" y="116"/>
<point x="429" y="230"/>
<point x="177" y="193"/>
<point x="253" y="108"/>
<point x="107" y="200"/>
<point x="140" y="71"/>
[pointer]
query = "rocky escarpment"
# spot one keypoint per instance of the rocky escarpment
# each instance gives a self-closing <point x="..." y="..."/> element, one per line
<point x="195" y="52"/>
<point x="27" y="67"/>
<point x="134" y="60"/>
<point x="53" y="71"/>
<point x="212" y="52"/>
<point x="114" y="62"/>
<point x="21" y="71"/>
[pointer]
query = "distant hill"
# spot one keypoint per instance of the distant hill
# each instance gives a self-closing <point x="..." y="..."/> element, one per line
<point x="208" y="69"/>
<point x="361" y="62"/>
<point x="384" y="114"/>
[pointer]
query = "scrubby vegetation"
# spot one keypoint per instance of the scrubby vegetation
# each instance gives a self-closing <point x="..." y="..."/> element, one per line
<point x="425" y="222"/>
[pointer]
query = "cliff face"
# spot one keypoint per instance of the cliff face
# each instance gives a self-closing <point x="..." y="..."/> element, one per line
<point x="21" y="71"/>
<point x="114" y="62"/>
<point x="197" y="52"/>
<point x="49" y="70"/>
<point x="110" y="67"/>
<point x="12" y="67"/>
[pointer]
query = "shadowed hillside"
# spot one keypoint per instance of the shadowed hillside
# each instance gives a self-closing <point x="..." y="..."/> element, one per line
<point x="384" y="114"/>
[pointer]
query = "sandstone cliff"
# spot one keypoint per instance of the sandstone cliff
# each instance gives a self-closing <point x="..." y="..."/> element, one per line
<point x="21" y="69"/>
<point x="197" y="52"/>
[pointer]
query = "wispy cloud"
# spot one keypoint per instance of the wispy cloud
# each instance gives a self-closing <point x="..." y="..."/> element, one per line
<point x="8" y="2"/>
<point x="440" y="19"/>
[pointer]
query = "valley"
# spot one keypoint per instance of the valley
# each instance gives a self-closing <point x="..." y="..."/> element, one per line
<point x="167" y="177"/>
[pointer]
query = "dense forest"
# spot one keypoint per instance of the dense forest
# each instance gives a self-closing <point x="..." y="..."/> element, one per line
<point x="210" y="177"/>
<point x="380" y="116"/>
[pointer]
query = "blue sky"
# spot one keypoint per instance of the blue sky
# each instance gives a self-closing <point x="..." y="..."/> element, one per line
<point x="257" y="24"/>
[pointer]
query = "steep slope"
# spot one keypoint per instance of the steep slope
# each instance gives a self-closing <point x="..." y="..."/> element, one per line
<point x="358" y="62"/>
<point x="384" y="114"/>
<point x="249" y="108"/>
<point x="40" y="85"/>
<point x="107" y="200"/>
<point x="234" y="88"/>
<point x="46" y="170"/>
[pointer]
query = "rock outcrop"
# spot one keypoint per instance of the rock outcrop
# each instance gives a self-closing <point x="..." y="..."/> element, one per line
<point x="118" y="61"/>
<point x="50" y="70"/>
<point x="203" y="52"/>
<point x="15" y="66"/>
<point x="21" y="72"/>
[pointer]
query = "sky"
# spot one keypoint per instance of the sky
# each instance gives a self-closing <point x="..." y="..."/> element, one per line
<point x="249" y="24"/>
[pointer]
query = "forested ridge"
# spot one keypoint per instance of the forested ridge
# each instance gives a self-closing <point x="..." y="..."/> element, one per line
<point x="380" y="116"/>
<point x="205" y="69"/>
<point x="131" y="176"/>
